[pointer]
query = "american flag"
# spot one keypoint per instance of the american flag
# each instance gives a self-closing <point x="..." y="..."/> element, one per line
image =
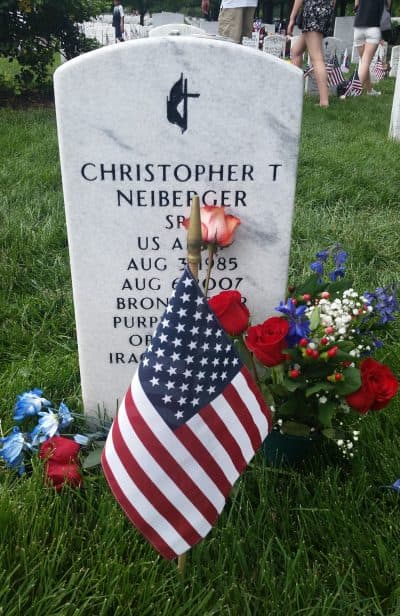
<point x="308" y="70"/>
<point x="335" y="75"/>
<point x="345" y="62"/>
<point x="189" y="424"/>
<point x="354" y="87"/>
<point x="380" y="70"/>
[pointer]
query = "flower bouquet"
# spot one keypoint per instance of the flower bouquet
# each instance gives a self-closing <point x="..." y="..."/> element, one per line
<point x="41" y="430"/>
<point x="313" y="362"/>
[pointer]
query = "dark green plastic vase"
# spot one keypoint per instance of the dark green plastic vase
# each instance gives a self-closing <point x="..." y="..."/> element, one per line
<point x="287" y="449"/>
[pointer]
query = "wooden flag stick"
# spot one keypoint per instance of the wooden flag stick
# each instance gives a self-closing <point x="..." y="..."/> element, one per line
<point x="194" y="259"/>
<point x="194" y="238"/>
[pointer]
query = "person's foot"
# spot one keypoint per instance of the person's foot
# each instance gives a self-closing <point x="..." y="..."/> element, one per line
<point x="373" y="92"/>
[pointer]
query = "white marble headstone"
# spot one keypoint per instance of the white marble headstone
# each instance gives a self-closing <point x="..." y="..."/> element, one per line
<point x="132" y="160"/>
<point x="331" y="45"/>
<point x="269" y="28"/>
<point x="274" y="45"/>
<point x="211" y="27"/>
<point x="344" y="30"/>
<point x="394" y="61"/>
<point x="165" y="18"/>
<point x="394" y="129"/>
<point x="175" y="29"/>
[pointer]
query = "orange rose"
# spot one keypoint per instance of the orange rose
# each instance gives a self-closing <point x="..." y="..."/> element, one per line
<point x="216" y="226"/>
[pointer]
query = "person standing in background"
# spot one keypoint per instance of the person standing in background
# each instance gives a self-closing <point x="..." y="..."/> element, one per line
<point x="367" y="36"/>
<point x="316" y="23"/>
<point x="235" y="18"/>
<point x="118" y="21"/>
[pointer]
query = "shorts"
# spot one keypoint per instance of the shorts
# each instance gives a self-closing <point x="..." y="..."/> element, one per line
<point x="367" y="35"/>
<point x="236" y="23"/>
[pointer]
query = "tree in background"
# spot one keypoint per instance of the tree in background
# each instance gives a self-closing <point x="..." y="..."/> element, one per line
<point x="32" y="31"/>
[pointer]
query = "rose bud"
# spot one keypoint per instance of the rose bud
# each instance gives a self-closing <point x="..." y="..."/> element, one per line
<point x="339" y="376"/>
<point x="310" y="352"/>
<point x="325" y="295"/>
<point x="230" y="311"/>
<point x="303" y="342"/>
<point x="324" y="341"/>
<point x="294" y="374"/>
<point x="217" y="227"/>
<point x="306" y="297"/>
<point x="329" y="330"/>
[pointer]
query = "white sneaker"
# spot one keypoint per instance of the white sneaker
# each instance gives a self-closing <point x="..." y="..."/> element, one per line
<point x="373" y="92"/>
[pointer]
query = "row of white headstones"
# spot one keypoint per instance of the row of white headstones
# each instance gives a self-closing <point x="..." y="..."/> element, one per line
<point x="192" y="116"/>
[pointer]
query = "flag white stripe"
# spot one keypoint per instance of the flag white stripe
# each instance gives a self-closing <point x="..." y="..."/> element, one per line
<point x="163" y="482"/>
<point x="200" y="429"/>
<point x="234" y="426"/>
<point x="142" y="505"/>
<point x="181" y="454"/>
<point x="240" y="383"/>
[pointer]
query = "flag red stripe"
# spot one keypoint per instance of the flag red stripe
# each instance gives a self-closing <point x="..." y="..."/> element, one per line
<point x="221" y="432"/>
<point x="168" y="463"/>
<point x="151" y="491"/>
<point x="252" y="385"/>
<point x="148" y="531"/>
<point x="243" y="414"/>
<point x="189" y="440"/>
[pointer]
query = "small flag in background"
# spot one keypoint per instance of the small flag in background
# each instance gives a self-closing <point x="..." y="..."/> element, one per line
<point x="308" y="70"/>
<point x="335" y="75"/>
<point x="354" y="87"/>
<point x="189" y="424"/>
<point x="345" y="62"/>
<point x="380" y="70"/>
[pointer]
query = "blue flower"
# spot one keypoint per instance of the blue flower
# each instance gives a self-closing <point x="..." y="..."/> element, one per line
<point x="299" y="325"/>
<point x="12" y="450"/>
<point x="47" y="427"/>
<point x="318" y="268"/>
<point x="396" y="485"/>
<point x="322" y="255"/>
<point x="339" y="272"/>
<point x="64" y="415"/>
<point x="29" y="404"/>
<point x="384" y="302"/>
<point x="340" y="257"/>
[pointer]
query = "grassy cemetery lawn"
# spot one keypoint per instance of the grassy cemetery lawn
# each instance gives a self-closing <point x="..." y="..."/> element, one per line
<point x="322" y="540"/>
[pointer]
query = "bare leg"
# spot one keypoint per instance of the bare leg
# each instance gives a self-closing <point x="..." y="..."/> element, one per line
<point x="297" y="51"/>
<point x="366" y="53"/>
<point x="314" y="46"/>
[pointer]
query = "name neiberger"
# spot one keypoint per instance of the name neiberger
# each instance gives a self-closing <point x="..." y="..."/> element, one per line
<point x="159" y="173"/>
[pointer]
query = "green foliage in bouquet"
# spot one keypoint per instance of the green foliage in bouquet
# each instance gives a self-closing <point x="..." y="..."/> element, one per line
<point x="313" y="363"/>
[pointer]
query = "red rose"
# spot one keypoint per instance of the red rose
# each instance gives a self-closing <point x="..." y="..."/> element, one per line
<point x="230" y="311"/>
<point x="216" y="226"/>
<point x="378" y="387"/>
<point x="61" y="474"/>
<point x="61" y="455"/>
<point x="59" y="449"/>
<point x="268" y="340"/>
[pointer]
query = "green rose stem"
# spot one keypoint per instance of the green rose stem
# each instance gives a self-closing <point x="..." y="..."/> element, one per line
<point x="212" y="249"/>
<point x="194" y="260"/>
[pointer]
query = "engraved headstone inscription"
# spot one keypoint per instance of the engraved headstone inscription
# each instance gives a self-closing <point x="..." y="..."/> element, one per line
<point x="132" y="161"/>
<point x="275" y="44"/>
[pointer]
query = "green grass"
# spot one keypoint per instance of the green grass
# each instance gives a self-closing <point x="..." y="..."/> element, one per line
<point x="322" y="541"/>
